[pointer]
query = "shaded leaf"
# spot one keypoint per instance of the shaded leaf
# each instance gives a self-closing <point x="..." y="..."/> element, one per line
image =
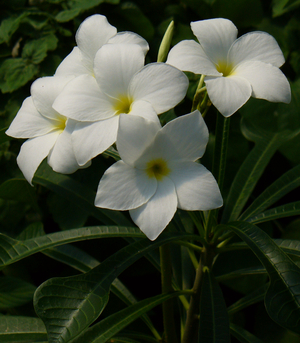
<point x="243" y="335"/>
<point x="9" y="26"/>
<point x="280" y="7"/>
<point x="35" y="50"/>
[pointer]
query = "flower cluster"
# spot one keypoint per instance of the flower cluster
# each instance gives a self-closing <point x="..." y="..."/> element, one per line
<point x="103" y="93"/>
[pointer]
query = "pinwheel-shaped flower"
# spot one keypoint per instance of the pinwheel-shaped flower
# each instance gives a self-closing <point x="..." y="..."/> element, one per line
<point x="158" y="172"/>
<point x="48" y="131"/>
<point x="122" y="84"/>
<point x="235" y="69"/>
<point x="92" y="34"/>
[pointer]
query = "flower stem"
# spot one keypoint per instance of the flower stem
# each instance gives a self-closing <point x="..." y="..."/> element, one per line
<point x="167" y="306"/>
<point x="197" y="97"/>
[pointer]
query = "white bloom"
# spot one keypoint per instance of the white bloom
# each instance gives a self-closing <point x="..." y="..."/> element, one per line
<point x="92" y="34"/>
<point x="48" y="131"/>
<point x="158" y="172"/>
<point x="122" y="84"/>
<point x="235" y="69"/>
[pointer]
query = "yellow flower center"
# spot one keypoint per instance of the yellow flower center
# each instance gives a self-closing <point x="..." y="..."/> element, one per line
<point x="61" y="123"/>
<point x="122" y="105"/>
<point x="157" y="168"/>
<point x="224" y="68"/>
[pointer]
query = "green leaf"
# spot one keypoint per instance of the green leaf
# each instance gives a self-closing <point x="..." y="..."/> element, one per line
<point x="282" y="186"/>
<point x="22" y="329"/>
<point x="35" y="51"/>
<point x="82" y="298"/>
<point x="282" y="299"/>
<point x="243" y="335"/>
<point x="12" y="250"/>
<point x="108" y="327"/>
<point x="9" y="26"/>
<point x="67" y="15"/>
<point x="14" y="292"/>
<point x="283" y="211"/>
<point x="214" y="321"/>
<point x="282" y="6"/>
<point x="78" y="194"/>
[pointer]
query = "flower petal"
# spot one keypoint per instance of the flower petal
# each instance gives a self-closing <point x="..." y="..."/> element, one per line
<point x="162" y="85"/>
<point x="44" y="91"/>
<point x="91" y="35"/>
<point x="124" y="188"/>
<point x="62" y="158"/>
<point x="256" y="46"/>
<point x="91" y="139"/>
<point x="155" y="215"/>
<point x="29" y="123"/>
<point x="134" y="135"/>
<point x="188" y="55"/>
<point x="182" y="139"/>
<point x="115" y="65"/>
<point x="144" y="109"/>
<point x="228" y="94"/>
<point x="268" y="82"/>
<point x="83" y="100"/>
<point x="196" y="187"/>
<point x="215" y="36"/>
<point x="130" y="38"/>
<point x="32" y="153"/>
<point x="72" y="65"/>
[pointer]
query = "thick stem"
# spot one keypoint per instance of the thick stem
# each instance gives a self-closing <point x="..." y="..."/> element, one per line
<point x="166" y="282"/>
<point x="192" y="320"/>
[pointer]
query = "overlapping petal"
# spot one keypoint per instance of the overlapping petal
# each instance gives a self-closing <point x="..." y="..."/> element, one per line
<point x="91" y="139"/>
<point x="32" y="153"/>
<point x="228" y="94"/>
<point x="196" y="187"/>
<point x="124" y="188"/>
<point x="160" y="84"/>
<point x="72" y="65"/>
<point x="267" y="82"/>
<point x="215" y="36"/>
<point x="155" y="215"/>
<point x="126" y="37"/>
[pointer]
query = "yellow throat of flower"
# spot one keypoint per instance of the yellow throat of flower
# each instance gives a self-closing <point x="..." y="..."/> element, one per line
<point x="122" y="105"/>
<point x="61" y="123"/>
<point x="157" y="168"/>
<point x="225" y="68"/>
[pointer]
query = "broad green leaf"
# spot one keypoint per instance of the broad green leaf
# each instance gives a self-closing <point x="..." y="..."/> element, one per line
<point x="282" y="186"/>
<point x="243" y="335"/>
<point x="15" y="292"/>
<point x="283" y="211"/>
<point x="12" y="250"/>
<point x="22" y="329"/>
<point x="282" y="6"/>
<point x="35" y="51"/>
<point x="82" y="298"/>
<point x="282" y="299"/>
<point x="9" y="26"/>
<point x="67" y="15"/>
<point x="214" y="321"/>
<point x="77" y="194"/>
<point x="108" y="327"/>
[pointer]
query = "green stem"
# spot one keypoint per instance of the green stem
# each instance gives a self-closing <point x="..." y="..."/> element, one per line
<point x="197" y="96"/>
<point x="167" y="306"/>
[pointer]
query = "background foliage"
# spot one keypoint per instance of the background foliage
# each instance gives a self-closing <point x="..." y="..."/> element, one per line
<point x="35" y="36"/>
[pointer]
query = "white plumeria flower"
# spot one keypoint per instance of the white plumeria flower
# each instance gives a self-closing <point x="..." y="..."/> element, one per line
<point x="48" y="131"/>
<point x="235" y="69"/>
<point x="122" y="84"/>
<point x="158" y="172"/>
<point x="92" y="34"/>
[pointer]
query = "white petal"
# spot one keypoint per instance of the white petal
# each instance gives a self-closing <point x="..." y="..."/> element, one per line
<point x="228" y="94"/>
<point x="188" y="55"/>
<point x="91" y="139"/>
<point x="29" y="123"/>
<point x="256" y="46"/>
<point x="160" y="84"/>
<point x="72" y="65"/>
<point x="182" y="139"/>
<point x="115" y="65"/>
<point x="62" y="158"/>
<point x="196" y="187"/>
<point x="130" y="38"/>
<point x="155" y="215"/>
<point x="124" y="188"/>
<point x="91" y="35"/>
<point x="83" y="100"/>
<point x="134" y="135"/>
<point x="144" y="109"/>
<point x="268" y="82"/>
<point x="44" y="91"/>
<point x="32" y="153"/>
<point x="215" y="36"/>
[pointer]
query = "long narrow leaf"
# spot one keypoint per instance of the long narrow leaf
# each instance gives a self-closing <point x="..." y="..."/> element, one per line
<point x="69" y="305"/>
<point x="243" y="335"/>
<point x="282" y="299"/>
